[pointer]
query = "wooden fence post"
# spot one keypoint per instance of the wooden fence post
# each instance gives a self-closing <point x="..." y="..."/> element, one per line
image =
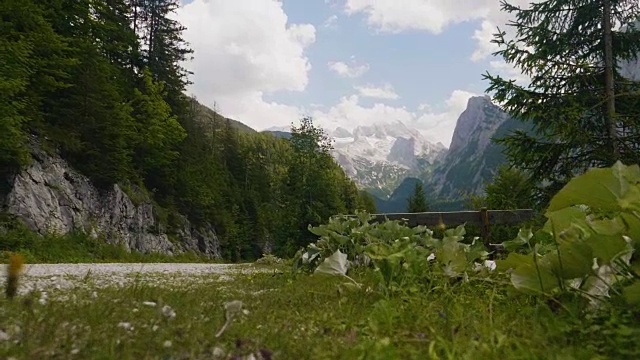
<point x="484" y="219"/>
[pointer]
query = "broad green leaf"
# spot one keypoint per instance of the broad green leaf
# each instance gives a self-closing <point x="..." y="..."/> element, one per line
<point x="476" y="251"/>
<point x="319" y="230"/>
<point x="335" y="264"/>
<point x="452" y="255"/>
<point x="599" y="189"/>
<point x="512" y="261"/>
<point x="609" y="227"/>
<point x="631" y="293"/>
<point x="632" y="220"/>
<point x="529" y="277"/>
<point x="572" y="260"/>
<point x="631" y="199"/>
<point x="606" y="248"/>
<point x="563" y="218"/>
<point x="524" y="235"/>
<point x="632" y="174"/>
<point x="542" y="238"/>
<point x="457" y="233"/>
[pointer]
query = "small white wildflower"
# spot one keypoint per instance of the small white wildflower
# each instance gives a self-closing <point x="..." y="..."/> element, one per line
<point x="125" y="325"/>
<point x="167" y="344"/>
<point x="432" y="256"/>
<point x="245" y="311"/>
<point x="94" y="295"/>
<point x="155" y="327"/>
<point x="168" y="312"/>
<point x="43" y="298"/>
<point x="135" y="310"/>
<point x="218" y="352"/>
<point x="490" y="264"/>
<point x="4" y="336"/>
<point x="149" y="303"/>
<point x="75" y="351"/>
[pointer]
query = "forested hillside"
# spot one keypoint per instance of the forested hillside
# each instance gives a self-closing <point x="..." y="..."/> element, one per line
<point x="101" y="82"/>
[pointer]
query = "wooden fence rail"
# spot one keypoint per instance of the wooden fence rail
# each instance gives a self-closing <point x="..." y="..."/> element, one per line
<point x="483" y="217"/>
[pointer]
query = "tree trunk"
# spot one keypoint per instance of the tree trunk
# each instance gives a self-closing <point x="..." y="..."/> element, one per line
<point x="610" y="90"/>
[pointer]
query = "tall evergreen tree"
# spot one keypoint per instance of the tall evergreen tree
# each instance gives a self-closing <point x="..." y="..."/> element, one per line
<point x="565" y="47"/>
<point x="164" y="48"/>
<point x="417" y="202"/>
<point x="91" y="118"/>
<point x="32" y="65"/>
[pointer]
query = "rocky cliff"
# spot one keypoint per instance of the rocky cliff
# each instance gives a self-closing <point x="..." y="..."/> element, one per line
<point x="473" y="157"/>
<point x="50" y="196"/>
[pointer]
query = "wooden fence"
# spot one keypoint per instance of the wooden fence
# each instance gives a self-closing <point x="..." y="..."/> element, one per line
<point x="483" y="218"/>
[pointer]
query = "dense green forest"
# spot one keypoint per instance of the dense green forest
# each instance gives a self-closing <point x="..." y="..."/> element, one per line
<point x="101" y="82"/>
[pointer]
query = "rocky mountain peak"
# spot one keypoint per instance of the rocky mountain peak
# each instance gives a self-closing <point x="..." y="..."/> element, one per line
<point x="473" y="117"/>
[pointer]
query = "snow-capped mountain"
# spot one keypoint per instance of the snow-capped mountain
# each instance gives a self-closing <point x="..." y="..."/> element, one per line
<point x="378" y="157"/>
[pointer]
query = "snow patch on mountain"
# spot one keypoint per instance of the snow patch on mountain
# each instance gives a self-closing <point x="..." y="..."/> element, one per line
<point x="381" y="155"/>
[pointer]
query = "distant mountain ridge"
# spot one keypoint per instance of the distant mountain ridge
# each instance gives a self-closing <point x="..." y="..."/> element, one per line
<point x="379" y="156"/>
<point x="471" y="160"/>
<point x="473" y="156"/>
<point x="386" y="159"/>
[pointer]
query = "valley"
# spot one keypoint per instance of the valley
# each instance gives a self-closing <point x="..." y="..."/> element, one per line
<point x="387" y="159"/>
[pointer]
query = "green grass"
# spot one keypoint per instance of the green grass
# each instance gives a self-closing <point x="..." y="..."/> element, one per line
<point x="308" y="317"/>
<point x="75" y="247"/>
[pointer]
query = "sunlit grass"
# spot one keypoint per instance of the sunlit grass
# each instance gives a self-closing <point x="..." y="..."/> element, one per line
<point x="287" y="317"/>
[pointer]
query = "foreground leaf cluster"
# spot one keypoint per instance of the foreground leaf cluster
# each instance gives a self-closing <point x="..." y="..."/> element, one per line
<point x="586" y="246"/>
<point x="403" y="257"/>
<point x="588" y="242"/>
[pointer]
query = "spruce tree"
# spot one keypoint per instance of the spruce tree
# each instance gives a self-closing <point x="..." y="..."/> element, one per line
<point x="417" y="202"/>
<point x="33" y="63"/>
<point x="584" y="114"/>
<point x="164" y="48"/>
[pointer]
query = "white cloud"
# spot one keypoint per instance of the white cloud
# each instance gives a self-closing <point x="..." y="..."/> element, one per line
<point x="428" y="15"/>
<point x="385" y="91"/>
<point x="352" y="70"/>
<point x="436" y="126"/>
<point x="435" y="15"/>
<point x="244" y="50"/>
<point x="331" y="22"/>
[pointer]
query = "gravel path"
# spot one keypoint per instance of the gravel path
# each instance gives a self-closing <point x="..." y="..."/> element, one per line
<point x="64" y="276"/>
<point x="122" y="268"/>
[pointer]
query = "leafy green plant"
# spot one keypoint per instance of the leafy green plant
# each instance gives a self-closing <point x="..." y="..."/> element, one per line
<point x="404" y="258"/>
<point x="588" y="241"/>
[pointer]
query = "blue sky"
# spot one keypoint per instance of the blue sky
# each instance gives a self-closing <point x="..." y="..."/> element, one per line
<point x="343" y="62"/>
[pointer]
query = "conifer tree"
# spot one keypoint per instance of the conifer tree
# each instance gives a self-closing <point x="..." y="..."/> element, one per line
<point x="417" y="202"/>
<point x="164" y="48"/>
<point x="583" y="112"/>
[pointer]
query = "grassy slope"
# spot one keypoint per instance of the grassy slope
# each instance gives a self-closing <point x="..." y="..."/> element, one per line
<point x="305" y="317"/>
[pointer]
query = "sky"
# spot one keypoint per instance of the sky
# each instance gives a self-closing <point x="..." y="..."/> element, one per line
<point x="267" y="63"/>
